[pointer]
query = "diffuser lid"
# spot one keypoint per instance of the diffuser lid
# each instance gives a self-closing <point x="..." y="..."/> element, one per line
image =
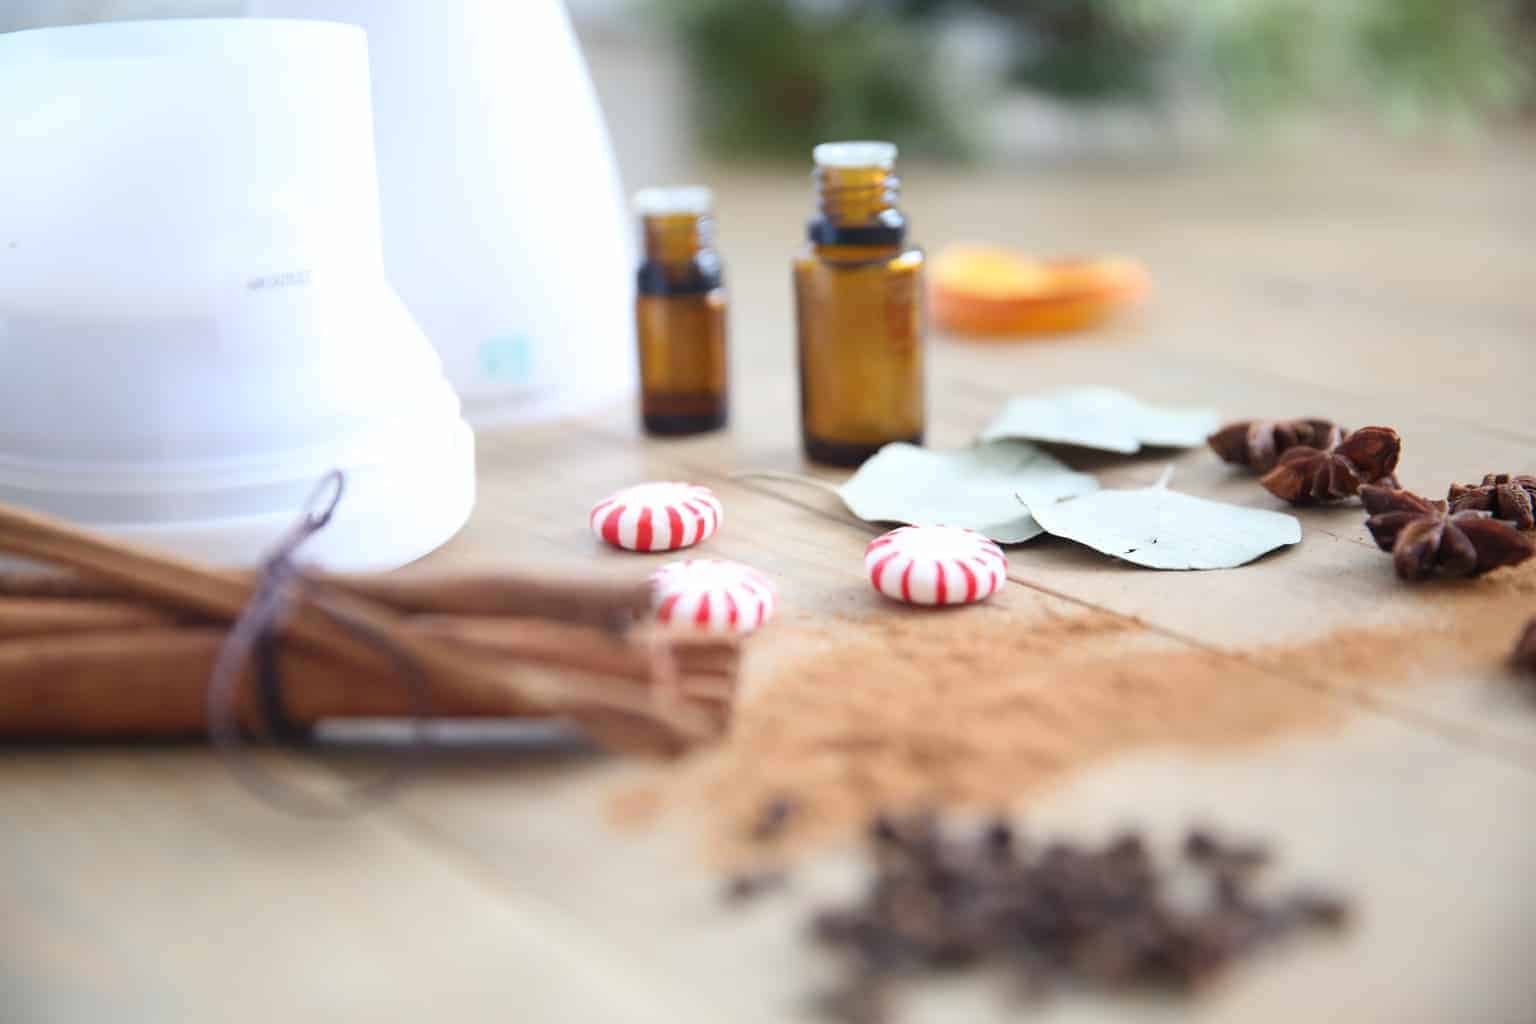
<point x="151" y="165"/>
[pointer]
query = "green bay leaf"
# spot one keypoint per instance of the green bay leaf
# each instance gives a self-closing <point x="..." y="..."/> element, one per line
<point x="1162" y="529"/>
<point x="1100" y="418"/>
<point x="971" y="487"/>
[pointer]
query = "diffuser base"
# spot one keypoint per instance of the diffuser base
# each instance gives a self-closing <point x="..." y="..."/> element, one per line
<point x="393" y="511"/>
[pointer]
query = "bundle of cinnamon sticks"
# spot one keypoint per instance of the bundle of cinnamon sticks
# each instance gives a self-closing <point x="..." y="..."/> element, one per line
<point x="113" y="641"/>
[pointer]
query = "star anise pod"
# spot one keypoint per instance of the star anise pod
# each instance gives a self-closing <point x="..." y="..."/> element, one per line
<point x="1307" y="475"/>
<point x="1506" y="495"/>
<point x="1427" y="538"/>
<point x="1525" y="648"/>
<point x="1258" y="444"/>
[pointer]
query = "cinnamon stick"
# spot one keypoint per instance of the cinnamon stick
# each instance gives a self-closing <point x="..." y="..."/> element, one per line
<point x="591" y="601"/>
<point x="25" y="616"/>
<point x="584" y="601"/>
<point x="151" y="683"/>
<point x="708" y="665"/>
<point x="317" y="625"/>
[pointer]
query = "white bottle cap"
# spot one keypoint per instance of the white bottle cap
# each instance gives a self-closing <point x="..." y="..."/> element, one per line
<point x="855" y="154"/>
<point x="673" y="199"/>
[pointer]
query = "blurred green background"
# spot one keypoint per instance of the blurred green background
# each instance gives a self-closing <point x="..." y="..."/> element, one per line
<point x="1015" y="81"/>
<point x="772" y="77"/>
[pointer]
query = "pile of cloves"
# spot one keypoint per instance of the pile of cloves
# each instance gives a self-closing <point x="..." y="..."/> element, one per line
<point x="1112" y="916"/>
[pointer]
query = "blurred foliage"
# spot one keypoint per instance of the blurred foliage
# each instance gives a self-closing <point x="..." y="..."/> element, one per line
<point x="1464" y="72"/>
<point x="1415" y="62"/>
<point x="1077" y="49"/>
<point x="776" y="76"/>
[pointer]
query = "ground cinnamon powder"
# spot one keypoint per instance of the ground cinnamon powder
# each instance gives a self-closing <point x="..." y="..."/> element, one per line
<point x="957" y="709"/>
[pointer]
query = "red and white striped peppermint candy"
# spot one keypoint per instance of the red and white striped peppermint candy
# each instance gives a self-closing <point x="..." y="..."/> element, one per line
<point x="713" y="595"/>
<point x="661" y="516"/>
<point x="935" y="565"/>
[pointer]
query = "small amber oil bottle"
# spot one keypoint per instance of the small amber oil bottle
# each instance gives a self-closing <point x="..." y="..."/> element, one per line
<point x="680" y="313"/>
<point x="858" y="297"/>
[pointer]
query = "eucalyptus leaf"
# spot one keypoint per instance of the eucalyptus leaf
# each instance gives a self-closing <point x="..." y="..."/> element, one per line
<point x="1101" y="418"/>
<point x="978" y="487"/>
<point x="1163" y="529"/>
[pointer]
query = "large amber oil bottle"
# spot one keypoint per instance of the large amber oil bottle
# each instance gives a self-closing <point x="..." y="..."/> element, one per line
<point x="680" y="313"/>
<point x="858" y="296"/>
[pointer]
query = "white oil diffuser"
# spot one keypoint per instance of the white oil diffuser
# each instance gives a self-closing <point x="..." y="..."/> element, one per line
<point x="505" y="228"/>
<point x="195" y="323"/>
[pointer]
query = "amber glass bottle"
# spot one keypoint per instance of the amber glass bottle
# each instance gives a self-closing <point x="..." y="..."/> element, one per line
<point x="680" y="314"/>
<point x="858" y="297"/>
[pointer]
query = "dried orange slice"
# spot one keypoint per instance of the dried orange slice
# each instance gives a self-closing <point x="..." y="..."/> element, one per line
<point x="994" y="290"/>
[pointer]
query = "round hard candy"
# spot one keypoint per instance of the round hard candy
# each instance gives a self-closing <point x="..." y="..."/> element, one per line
<point x="713" y="595"/>
<point x="660" y="516"/>
<point x="935" y="565"/>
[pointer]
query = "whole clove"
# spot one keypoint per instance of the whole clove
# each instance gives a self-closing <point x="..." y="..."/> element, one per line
<point x="773" y="819"/>
<point x="1258" y="444"/>
<point x="1051" y="914"/>
<point x="1524" y="656"/>
<point x="1315" y="907"/>
<point x="1306" y="475"/>
<point x="1427" y="539"/>
<point x="749" y="886"/>
<point x="1504" y="495"/>
<point x="1207" y="850"/>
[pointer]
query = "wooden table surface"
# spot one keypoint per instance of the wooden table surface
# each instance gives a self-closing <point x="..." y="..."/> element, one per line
<point x="1371" y="286"/>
